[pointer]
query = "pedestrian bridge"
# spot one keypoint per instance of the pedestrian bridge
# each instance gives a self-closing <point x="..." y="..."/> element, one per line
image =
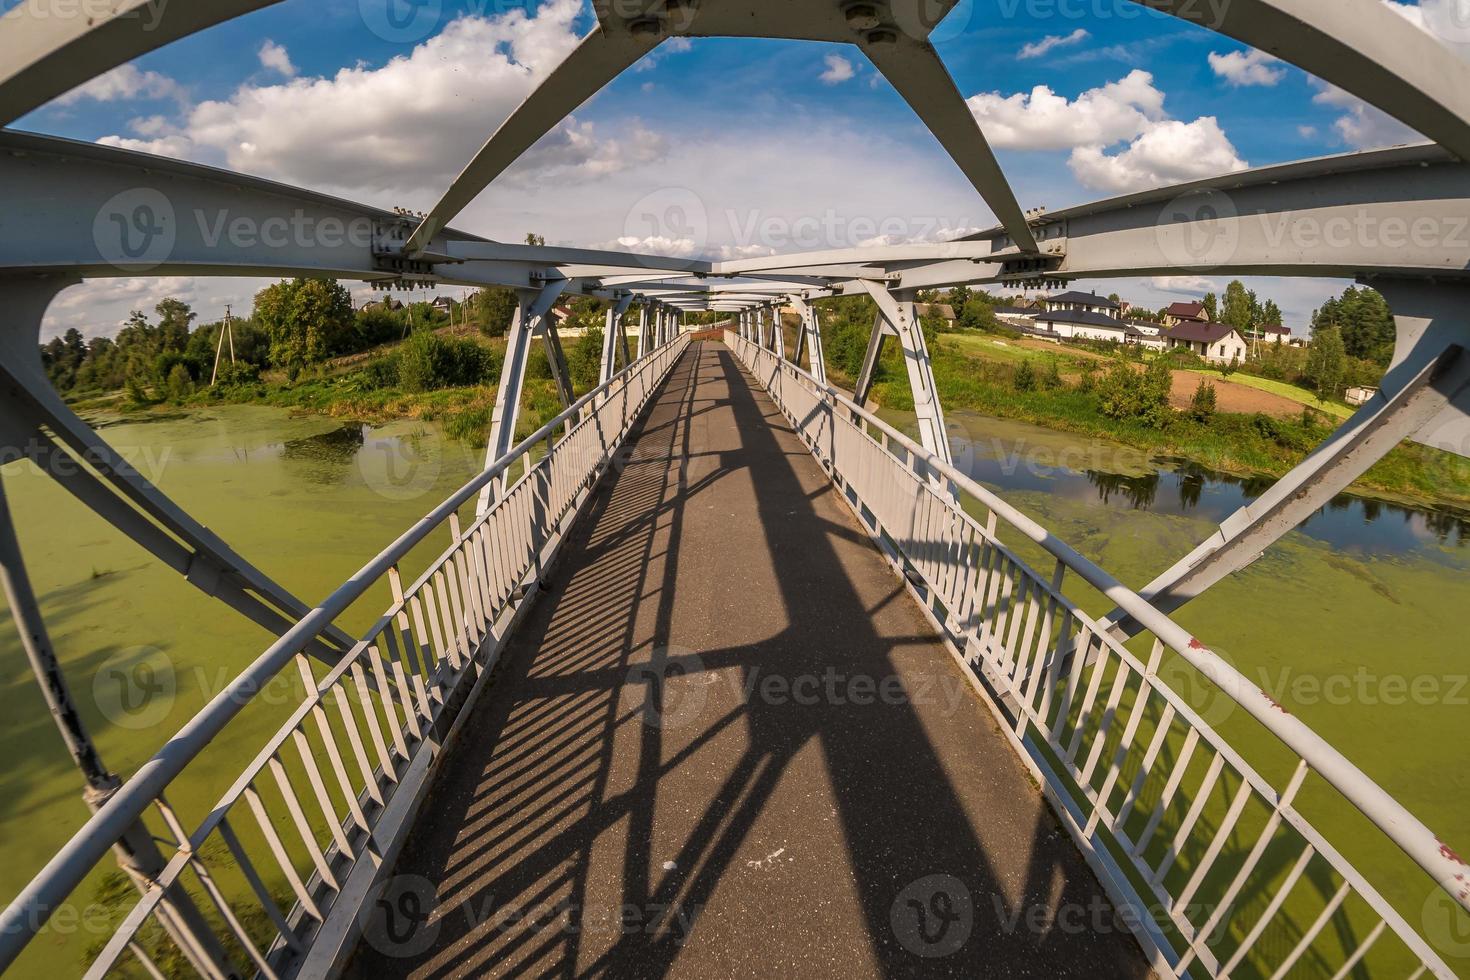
<point x="717" y="673"/>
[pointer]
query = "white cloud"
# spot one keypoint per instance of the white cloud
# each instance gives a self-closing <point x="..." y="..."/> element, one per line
<point x="1186" y="285"/>
<point x="275" y="58"/>
<point x="1043" y="120"/>
<point x="839" y="69"/>
<point x="1160" y="151"/>
<point x="1361" y="126"/>
<point x="122" y="83"/>
<point x="1038" y="48"/>
<point x="400" y="132"/>
<point x="1169" y="152"/>
<point x="1307" y="132"/>
<point x="1242" y="68"/>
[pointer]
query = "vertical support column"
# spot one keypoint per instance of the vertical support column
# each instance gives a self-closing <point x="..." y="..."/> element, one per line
<point x="642" y="329"/>
<point x="533" y="308"/>
<point x="610" y="338"/>
<point x="809" y="339"/>
<point x="557" y="358"/>
<point x="901" y="316"/>
<point x="778" y="333"/>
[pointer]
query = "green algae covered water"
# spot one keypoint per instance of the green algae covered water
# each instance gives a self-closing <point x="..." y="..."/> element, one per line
<point x="307" y="500"/>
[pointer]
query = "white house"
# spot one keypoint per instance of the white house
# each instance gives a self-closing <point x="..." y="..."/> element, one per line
<point x="1218" y="343"/>
<point x="1078" y="302"/>
<point x="1021" y="317"/>
<point x="1085" y="325"/>
<point x="1150" y="334"/>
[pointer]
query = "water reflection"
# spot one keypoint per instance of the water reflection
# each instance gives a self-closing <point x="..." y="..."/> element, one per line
<point x="1171" y="486"/>
<point x="327" y="457"/>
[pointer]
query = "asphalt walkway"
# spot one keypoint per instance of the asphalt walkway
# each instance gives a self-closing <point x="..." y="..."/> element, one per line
<point x="727" y="744"/>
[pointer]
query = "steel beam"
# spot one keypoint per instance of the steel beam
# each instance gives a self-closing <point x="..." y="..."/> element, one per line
<point x="914" y="69"/>
<point x="48" y="53"/>
<point x="1359" y="45"/>
<point x="600" y="57"/>
<point x="903" y="319"/>
<point x="614" y="330"/>
<point x="533" y="308"/>
<point x="809" y="339"/>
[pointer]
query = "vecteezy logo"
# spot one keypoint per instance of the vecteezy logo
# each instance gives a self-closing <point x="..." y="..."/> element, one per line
<point x="135" y="688"/>
<point x="1200" y="686"/>
<point x="670" y="689"/>
<point x="1446" y="925"/>
<point x="135" y="229"/>
<point x="933" y="916"/>
<point x="1198" y="230"/>
<point x="935" y="20"/>
<point x="398" y="917"/>
<point x="668" y="221"/>
<point x="401" y="21"/>
<point x="1448" y="20"/>
<point x="398" y="467"/>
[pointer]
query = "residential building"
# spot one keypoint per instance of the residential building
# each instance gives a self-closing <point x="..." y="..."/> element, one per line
<point x="1268" y="333"/>
<point x="1020" y="317"/>
<point x="1074" y="324"/>
<point x="1150" y="334"/>
<point x="1218" y="343"/>
<point x="944" y="310"/>
<point x="1357" y="395"/>
<point x="1178" y="313"/>
<point x="1078" y="302"/>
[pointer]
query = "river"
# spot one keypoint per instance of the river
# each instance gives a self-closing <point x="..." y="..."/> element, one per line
<point x="1355" y="622"/>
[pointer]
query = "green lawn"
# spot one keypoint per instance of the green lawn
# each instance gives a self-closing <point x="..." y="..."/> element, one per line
<point x="1333" y="407"/>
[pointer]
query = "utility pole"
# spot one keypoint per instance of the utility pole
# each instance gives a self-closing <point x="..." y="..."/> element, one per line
<point x="225" y="329"/>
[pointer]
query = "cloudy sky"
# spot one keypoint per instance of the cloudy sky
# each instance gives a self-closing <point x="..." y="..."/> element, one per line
<point x="751" y="146"/>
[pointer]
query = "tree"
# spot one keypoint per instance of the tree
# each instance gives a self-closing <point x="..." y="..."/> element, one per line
<point x="1211" y="307"/>
<point x="495" y="309"/>
<point x="1271" y="314"/>
<point x="1365" y="321"/>
<point x="1202" y="405"/>
<point x="1326" y="361"/>
<point x="1238" y="302"/>
<point x="534" y="239"/>
<point x="307" y="320"/>
<point x="174" y="318"/>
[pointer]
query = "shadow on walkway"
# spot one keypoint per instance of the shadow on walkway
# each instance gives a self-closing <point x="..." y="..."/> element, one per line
<point x="727" y="743"/>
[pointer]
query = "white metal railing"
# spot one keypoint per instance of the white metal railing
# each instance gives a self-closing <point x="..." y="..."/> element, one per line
<point x="1216" y="868"/>
<point x="328" y="799"/>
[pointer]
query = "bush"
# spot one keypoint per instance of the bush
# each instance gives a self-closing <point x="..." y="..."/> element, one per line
<point x="1125" y="393"/>
<point x="179" y="383"/>
<point x="1025" y="379"/>
<point x="427" y="361"/>
<point x="1051" y="378"/>
<point x="1202" y="405"/>
<point x="584" y="360"/>
<point x="381" y="372"/>
<point x="239" y="373"/>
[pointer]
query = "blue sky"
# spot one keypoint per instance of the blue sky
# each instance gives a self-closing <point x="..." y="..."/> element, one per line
<point x="775" y="146"/>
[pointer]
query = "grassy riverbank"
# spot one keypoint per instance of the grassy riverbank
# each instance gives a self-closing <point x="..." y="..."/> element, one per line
<point x="974" y="372"/>
<point x="398" y="381"/>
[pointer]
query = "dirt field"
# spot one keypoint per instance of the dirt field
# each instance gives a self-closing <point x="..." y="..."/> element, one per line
<point x="1231" y="397"/>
